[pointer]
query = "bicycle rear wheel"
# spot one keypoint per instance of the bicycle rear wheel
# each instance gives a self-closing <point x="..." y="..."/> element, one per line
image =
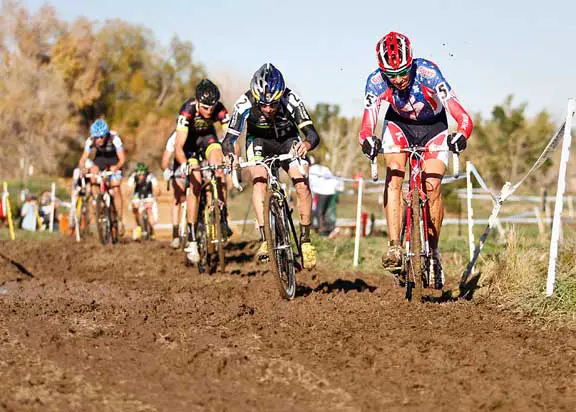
<point x="279" y="244"/>
<point x="413" y="261"/>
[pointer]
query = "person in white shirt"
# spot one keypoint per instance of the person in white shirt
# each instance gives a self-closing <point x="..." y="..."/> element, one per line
<point x="324" y="187"/>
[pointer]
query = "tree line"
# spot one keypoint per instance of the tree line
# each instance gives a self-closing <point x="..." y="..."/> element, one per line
<point x="56" y="77"/>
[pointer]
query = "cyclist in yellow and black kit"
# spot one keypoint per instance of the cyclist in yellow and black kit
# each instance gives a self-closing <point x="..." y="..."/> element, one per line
<point x="275" y="116"/>
<point x="196" y="140"/>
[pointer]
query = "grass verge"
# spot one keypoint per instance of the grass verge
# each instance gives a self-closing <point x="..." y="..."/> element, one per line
<point x="517" y="275"/>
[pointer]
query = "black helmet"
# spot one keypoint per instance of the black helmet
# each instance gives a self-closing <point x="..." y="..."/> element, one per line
<point x="207" y="93"/>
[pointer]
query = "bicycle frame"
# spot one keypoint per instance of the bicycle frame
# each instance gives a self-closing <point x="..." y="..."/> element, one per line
<point x="108" y="233"/>
<point x="279" y="227"/>
<point x="416" y="273"/>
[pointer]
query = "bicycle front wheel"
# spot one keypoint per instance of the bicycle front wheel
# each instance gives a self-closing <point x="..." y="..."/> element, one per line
<point x="113" y="219"/>
<point x="219" y="239"/>
<point x="414" y="263"/>
<point x="146" y="229"/>
<point x="102" y="220"/>
<point x="279" y="244"/>
<point x="85" y="217"/>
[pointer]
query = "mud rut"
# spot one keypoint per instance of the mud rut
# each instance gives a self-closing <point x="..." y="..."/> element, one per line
<point x="129" y="328"/>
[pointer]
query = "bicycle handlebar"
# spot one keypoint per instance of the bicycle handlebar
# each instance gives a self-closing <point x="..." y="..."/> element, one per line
<point x="433" y="148"/>
<point x="267" y="163"/>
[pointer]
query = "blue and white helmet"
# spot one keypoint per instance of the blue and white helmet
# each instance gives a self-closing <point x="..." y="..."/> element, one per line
<point x="99" y="128"/>
<point x="267" y="85"/>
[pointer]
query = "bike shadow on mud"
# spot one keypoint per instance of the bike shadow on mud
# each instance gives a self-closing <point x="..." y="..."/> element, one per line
<point x="463" y="292"/>
<point x="240" y="253"/>
<point x="339" y="285"/>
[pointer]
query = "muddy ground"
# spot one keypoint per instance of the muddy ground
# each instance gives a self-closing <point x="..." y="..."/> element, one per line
<point x="130" y="328"/>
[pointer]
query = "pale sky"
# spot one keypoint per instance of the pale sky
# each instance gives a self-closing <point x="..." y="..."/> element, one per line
<point x="325" y="49"/>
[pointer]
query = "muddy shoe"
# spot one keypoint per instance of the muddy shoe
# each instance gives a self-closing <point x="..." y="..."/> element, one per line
<point x="392" y="259"/>
<point x="436" y="273"/>
<point x="309" y="255"/>
<point x="137" y="233"/>
<point x="192" y="252"/>
<point x="262" y="254"/>
<point x="175" y="244"/>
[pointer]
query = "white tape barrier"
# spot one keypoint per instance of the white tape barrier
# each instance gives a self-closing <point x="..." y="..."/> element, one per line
<point x="358" y="223"/>
<point x="532" y="199"/>
<point x="445" y="180"/>
<point x="507" y="191"/>
<point x="561" y="187"/>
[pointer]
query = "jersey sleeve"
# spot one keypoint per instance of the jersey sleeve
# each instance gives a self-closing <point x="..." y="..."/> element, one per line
<point x="241" y="111"/>
<point x="298" y="110"/>
<point x="117" y="141"/>
<point x="88" y="145"/>
<point x="452" y="104"/>
<point x="302" y="118"/>
<point x="131" y="180"/>
<point x="373" y="93"/>
<point x="184" y="117"/>
<point x="222" y="115"/>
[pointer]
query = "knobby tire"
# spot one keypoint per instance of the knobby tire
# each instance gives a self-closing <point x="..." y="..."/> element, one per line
<point x="414" y="263"/>
<point x="277" y="234"/>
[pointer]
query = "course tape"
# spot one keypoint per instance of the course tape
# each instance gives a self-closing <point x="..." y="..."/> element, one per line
<point x="505" y="193"/>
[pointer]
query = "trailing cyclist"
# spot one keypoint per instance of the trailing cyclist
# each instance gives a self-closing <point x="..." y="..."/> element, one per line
<point x="145" y="188"/>
<point x="196" y="140"/>
<point x="173" y="171"/>
<point x="275" y="115"/>
<point x="418" y="96"/>
<point x="109" y="155"/>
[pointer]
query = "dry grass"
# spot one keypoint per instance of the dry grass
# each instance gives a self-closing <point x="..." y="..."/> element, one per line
<point x="516" y="277"/>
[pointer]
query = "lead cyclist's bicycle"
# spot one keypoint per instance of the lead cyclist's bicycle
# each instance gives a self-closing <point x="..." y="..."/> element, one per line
<point x="106" y="214"/>
<point x="416" y="274"/>
<point x="283" y="243"/>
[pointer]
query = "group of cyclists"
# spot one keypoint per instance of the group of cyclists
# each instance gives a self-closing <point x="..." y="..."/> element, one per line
<point x="278" y="122"/>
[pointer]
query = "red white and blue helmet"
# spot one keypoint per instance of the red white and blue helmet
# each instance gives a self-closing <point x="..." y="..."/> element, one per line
<point x="267" y="85"/>
<point x="394" y="53"/>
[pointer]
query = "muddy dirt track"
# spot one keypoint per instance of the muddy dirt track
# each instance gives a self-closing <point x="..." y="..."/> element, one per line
<point x="129" y="328"/>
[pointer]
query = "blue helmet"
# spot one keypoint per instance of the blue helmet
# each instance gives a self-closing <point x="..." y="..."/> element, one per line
<point x="99" y="128"/>
<point x="267" y="85"/>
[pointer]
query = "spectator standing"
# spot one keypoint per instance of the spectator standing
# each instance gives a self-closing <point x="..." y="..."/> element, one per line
<point x="324" y="187"/>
